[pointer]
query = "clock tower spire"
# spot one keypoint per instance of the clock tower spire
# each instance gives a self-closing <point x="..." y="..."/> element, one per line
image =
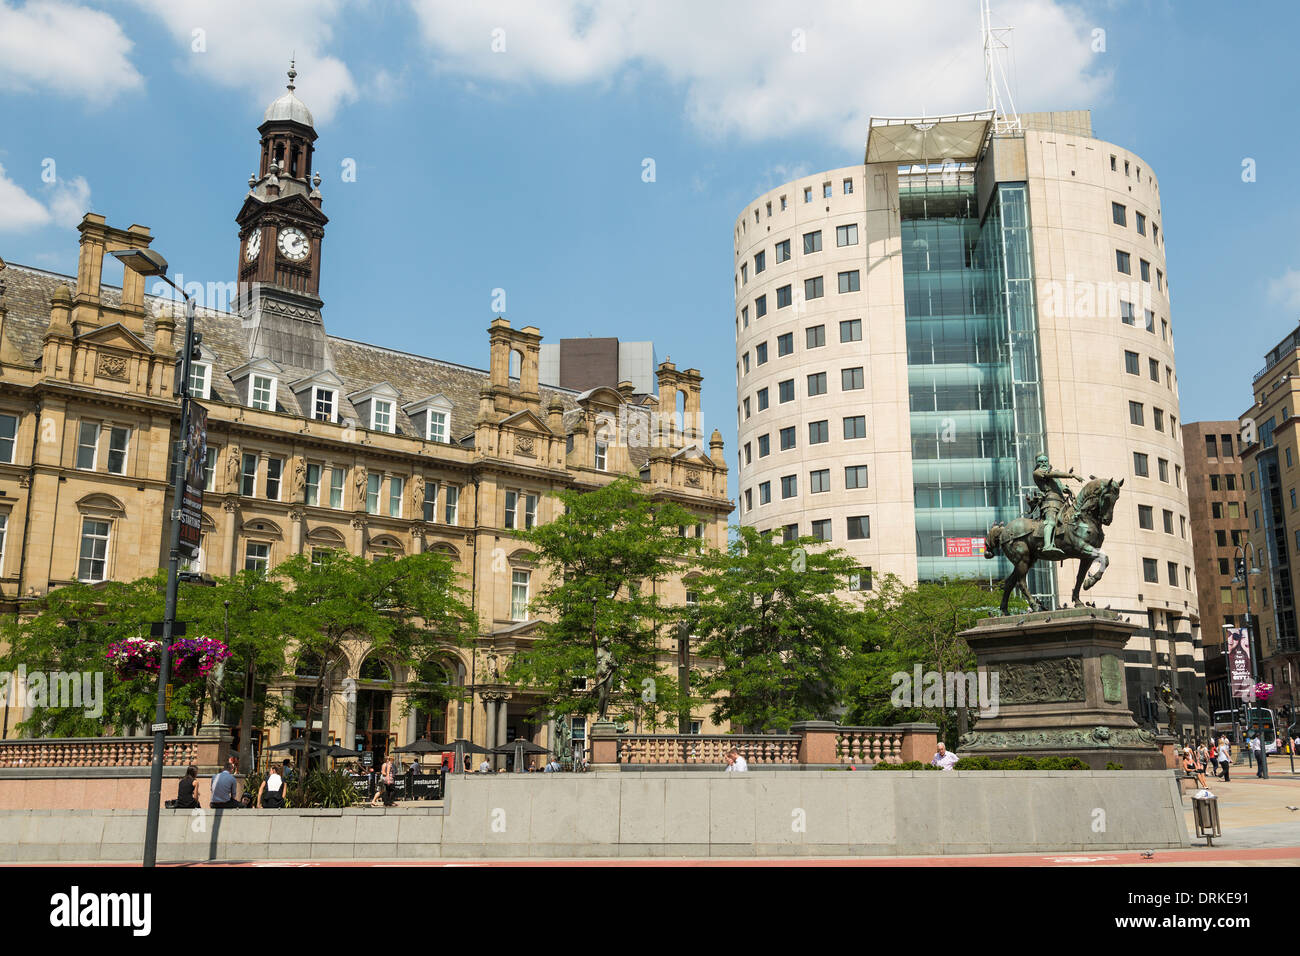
<point x="281" y="227"/>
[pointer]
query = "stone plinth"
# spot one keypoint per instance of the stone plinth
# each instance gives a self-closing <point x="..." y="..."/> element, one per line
<point x="1060" y="690"/>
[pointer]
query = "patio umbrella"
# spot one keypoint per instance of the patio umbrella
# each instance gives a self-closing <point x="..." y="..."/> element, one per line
<point x="423" y="746"/>
<point x="300" y="744"/>
<point x="518" y="748"/>
<point x="461" y="747"/>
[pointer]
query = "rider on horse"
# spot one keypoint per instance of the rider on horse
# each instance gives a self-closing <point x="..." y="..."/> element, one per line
<point x="1054" y="494"/>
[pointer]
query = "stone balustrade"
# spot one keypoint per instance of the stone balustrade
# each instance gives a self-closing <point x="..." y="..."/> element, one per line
<point x="30" y="754"/>
<point x="707" y="749"/>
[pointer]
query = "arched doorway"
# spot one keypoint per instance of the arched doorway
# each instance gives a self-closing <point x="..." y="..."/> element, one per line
<point x="306" y="675"/>
<point x="374" y="708"/>
<point x="431" y="691"/>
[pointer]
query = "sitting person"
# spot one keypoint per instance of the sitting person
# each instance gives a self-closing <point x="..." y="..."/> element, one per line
<point x="187" y="794"/>
<point x="223" y="788"/>
<point x="943" y="759"/>
<point x="270" y="795"/>
<point x="1192" y="765"/>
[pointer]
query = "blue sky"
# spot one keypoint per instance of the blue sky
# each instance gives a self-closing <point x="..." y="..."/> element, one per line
<point x="521" y="168"/>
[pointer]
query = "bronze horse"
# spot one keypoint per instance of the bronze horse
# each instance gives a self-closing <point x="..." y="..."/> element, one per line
<point x="1079" y="534"/>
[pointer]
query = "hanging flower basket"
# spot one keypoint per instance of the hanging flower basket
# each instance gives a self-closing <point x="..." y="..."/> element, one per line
<point x="193" y="657"/>
<point x="1263" y="691"/>
<point x="134" y="656"/>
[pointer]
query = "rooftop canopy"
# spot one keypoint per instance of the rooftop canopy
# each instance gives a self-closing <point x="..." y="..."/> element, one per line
<point x="927" y="139"/>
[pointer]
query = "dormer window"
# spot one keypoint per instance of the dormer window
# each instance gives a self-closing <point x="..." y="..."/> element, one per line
<point x="437" y="426"/>
<point x="261" y="392"/>
<point x="431" y="418"/>
<point x="381" y="416"/>
<point x="200" y="380"/>
<point x="602" y="455"/>
<point x="324" y="404"/>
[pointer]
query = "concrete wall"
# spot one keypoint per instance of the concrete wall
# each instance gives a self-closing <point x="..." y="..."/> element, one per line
<point x="829" y="813"/>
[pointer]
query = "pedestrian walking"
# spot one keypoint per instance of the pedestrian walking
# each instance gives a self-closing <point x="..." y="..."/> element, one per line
<point x="1261" y="757"/>
<point x="1224" y="752"/>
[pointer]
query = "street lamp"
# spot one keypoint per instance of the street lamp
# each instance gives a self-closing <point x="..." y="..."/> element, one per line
<point x="149" y="263"/>
<point x="1242" y="576"/>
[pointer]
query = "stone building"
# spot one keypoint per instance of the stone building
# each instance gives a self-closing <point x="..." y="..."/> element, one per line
<point x="315" y="442"/>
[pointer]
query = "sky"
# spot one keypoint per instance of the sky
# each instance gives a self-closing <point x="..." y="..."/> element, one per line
<point x="504" y="146"/>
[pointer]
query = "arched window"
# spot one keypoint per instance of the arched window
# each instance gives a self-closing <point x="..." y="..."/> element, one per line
<point x="375" y="668"/>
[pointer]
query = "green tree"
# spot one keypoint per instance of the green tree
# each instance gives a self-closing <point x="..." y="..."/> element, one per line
<point x="407" y="610"/>
<point x="601" y="610"/>
<point x="769" y="615"/>
<point x="911" y="625"/>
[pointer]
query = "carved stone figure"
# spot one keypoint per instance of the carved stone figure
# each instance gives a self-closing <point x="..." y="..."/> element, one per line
<point x="417" y="494"/>
<point x="232" y="467"/>
<point x="361" y="481"/>
<point x="299" y="479"/>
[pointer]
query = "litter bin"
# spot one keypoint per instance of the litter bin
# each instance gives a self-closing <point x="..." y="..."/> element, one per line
<point x="1205" y="814"/>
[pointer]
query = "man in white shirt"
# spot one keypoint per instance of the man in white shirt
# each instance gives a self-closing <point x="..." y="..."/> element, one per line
<point x="1261" y="757"/>
<point x="943" y="759"/>
<point x="485" y="767"/>
<point x="735" y="762"/>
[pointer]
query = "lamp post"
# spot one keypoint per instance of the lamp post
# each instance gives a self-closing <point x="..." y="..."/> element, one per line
<point x="149" y="263"/>
<point x="1242" y="576"/>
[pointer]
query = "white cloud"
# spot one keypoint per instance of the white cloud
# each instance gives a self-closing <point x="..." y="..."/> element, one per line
<point x="247" y="44"/>
<point x="739" y="72"/>
<point x="1286" y="289"/>
<point x="67" y="202"/>
<point x="70" y="201"/>
<point x="49" y="45"/>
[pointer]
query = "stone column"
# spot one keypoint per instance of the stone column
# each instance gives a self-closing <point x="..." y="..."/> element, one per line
<point x="350" y="713"/>
<point x="501" y="728"/>
<point x="818" y="744"/>
<point x="490" y="729"/>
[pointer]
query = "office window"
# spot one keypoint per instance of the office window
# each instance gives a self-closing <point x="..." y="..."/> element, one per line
<point x="760" y="353"/>
<point x="1150" y="571"/>
<point x="1141" y="224"/>
<point x="1112" y="164"/>
<point x="1144" y="268"/>
<point x="846" y="235"/>
<point x="744" y="273"/>
<point x="787" y="438"/>
<point x="789" y="486"/>
<point x="257" y="557"/>
<point x="1135" y="413"/>
<point x="336" y="487"/>
<point x="210" y="468"/>
<point x="785" y="391"/>
<point x="789" y="533"/>
<point x="813" y="288"/>
<point x="395" y="486"/>
<point x="821" y="529"/>
<point x="248" y="484"/>
<point x="848" y="187"/>
<point x="851" y="379"/>
<point x="764" y="446"/>
<point x="1140" y="465"/>
<point x="807" y="194"/>
<point x="817" y="383"/>
<point x="783" y="297"/>
<point x="785" y="344"/>
<point x="1163" y="469"/>
<point x="826" y="190"/>
<point x="760" y="307"/>
<point x="1131" y="363"/>
<point x="87" y="445"/>
<point x="381" y="415"/>
<point x="860" y="580"/>
<point x="1126" y="313"/>
<point x="602" y="455"/>
<point x="1211" y="447"/>
<point x="93" y="562"/>
<point x="373" y="483"/>
<point x="1153" y="370"/>
<point x="274" y="471"/>
<point x="819" y="432"/>
<point x="855" y="476"/>
<point x="815" y="337"/>
<point x="311" y="493"/>
<point x="323" y="404"/>
<point x="519" y="595"/>
<point x="9" y="437"/>
<point x="1216" y="509"/>
<point x="512" y="509"/>
<point x="530" y="511"/>
<point x="1171" y="571"/>
<point x="200" y="375"/>
<point x="851" y="330"/>
<point x="1157" y="419"/>
<point x="1146" y="519"/>
<point x="744" y="314"/>
<point x="1122" y="262"/>
<point x="1223" y="567"/>
<point x="261" y="392"/>
<point x="748" y="457"/>
<point x="859" y="527"/>
<point x="749" y="499"/>
<point x="812" y="242"/>
<point x="819" y="481"/>
<point x="1221" y="539"/>
<point x="117" y="442"/>
<point x="1151" y="322"/>
<point x="849" y="281"/>
<point x="1169" y="521"/>
<point x="765" y="493"/>
<point x="761" y="395"/>
<point x="782" y="250"/>
<point x="1117" y="214"/>
<point x="855" y="427"/>
<point x="760" y="262"/>
<point x="451" y="503"/>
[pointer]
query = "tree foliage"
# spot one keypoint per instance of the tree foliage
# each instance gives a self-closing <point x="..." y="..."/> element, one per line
<point x="775" y="636"/>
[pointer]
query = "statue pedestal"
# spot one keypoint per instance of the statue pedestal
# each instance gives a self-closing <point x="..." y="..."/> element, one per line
<point x="1060" y="690"/>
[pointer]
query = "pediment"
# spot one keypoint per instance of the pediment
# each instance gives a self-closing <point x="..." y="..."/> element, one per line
<point x="293" y="205"/>
<point x="601" y="395"/>
<point x="525" y="420"/>
<point x="114" y="336"/>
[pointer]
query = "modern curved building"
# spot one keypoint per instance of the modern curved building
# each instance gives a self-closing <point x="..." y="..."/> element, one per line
<point x="913" y="331"/>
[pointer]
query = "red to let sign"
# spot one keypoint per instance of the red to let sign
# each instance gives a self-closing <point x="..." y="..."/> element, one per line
<point x="963" y="547"/>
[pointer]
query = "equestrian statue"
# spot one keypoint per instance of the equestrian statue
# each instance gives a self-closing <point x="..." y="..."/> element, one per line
<point x="1058" y="525"/>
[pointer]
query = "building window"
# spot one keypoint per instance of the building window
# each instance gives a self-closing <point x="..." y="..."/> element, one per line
<point x="785" y="344"/>
<point x="261" y="392"/>
<point x="1157" y="419"/>
<point x="373" y="482"/>
<point x="821" y="529"/>
<point x="1140" y="465"/>
<point x="1135" y="413"/>
<point x="257" y="557"/>
<point x="760" y="353"/>
<point x="789" y="486"/>
<point x="1144" y="268"/>
<point x="1211" y="447"/>
<point x="815" y="337"/>
<point x="431" y="501"/>
<point x="813" y="288"/>
<point x="1141" y="224"/>
<point x="602" y="455"/>
<point x="1131" y="363"/>
<point x="210" y="468"/>
<point x="820" y="481"/>
<point x="749" y="499"/>
<point x="1127" y="315"/>
<point x="851" y="379"/>
<point x="826" y="190"/>
<point x="322" y="404"/>
<point x="200" y="373"/>
<point x="764" y="492"/>
<point x="1153" y="370"/>
<point x="1117" y="214"/>
<point x="519" y="595"/>
<point x="848" y="187"/>
<point x="1146" y="519"/>
<point x="512" y="500"/>
<point x="1169" y="521"/>
<point x="817" y="383"/>
<point x="819" y="432"/>
<point x="846" y="235"/>
<point x="785" y="391"/>
<point x="807" y="194"/>
<point x="764" y="446"/>
<point x="87" y="445"/>
<point x="859" y="527"/>
<point x="1162" y="466"/>
<point x="1151" y="323"/>
<point x="336" y="487"/>
<point x="744" y="315"/>
<point x="94" y="550"/>
<point x="855" y="426"/>
<point x="248" y="482"/>
<point x="118" y="439"/>
<point x="760" y="307"/>
<point x="451" y="502"/>
<point x="787" y="438"/>
<point x="274" y="470"/>
<point x="851" y="330"/>
<point x="1122" y="262"/>
<point x="855" y="476"/>
<point x="760" y="262"/>
<point x="395" y="486"/>
<point x="860" y="580"/>
<point x="1150" y="571"/>
<point x="8" y="437"/>
<point x="812" y="242"/>
<point x="783" y="297"/>
<point x="849" y="281"/>
<point x="789" y="533"/>
<point x="381" y="416"/>
<point x="1171" y="570"/>
<point x="782" y="250"/>
<point x="744" y="273"/>
<point x="311" y="494"/>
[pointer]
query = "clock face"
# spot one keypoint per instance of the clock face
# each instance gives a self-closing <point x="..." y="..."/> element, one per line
<point x="253" y="246"/>
<point x="293" y="244"/>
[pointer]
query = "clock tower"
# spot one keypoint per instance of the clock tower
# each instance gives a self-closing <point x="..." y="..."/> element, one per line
<point x="280" y="231"/>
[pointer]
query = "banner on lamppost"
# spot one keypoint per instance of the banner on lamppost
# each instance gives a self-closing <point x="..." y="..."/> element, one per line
<point x="196" y="459"/>
<point x="1243" y="685"/>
